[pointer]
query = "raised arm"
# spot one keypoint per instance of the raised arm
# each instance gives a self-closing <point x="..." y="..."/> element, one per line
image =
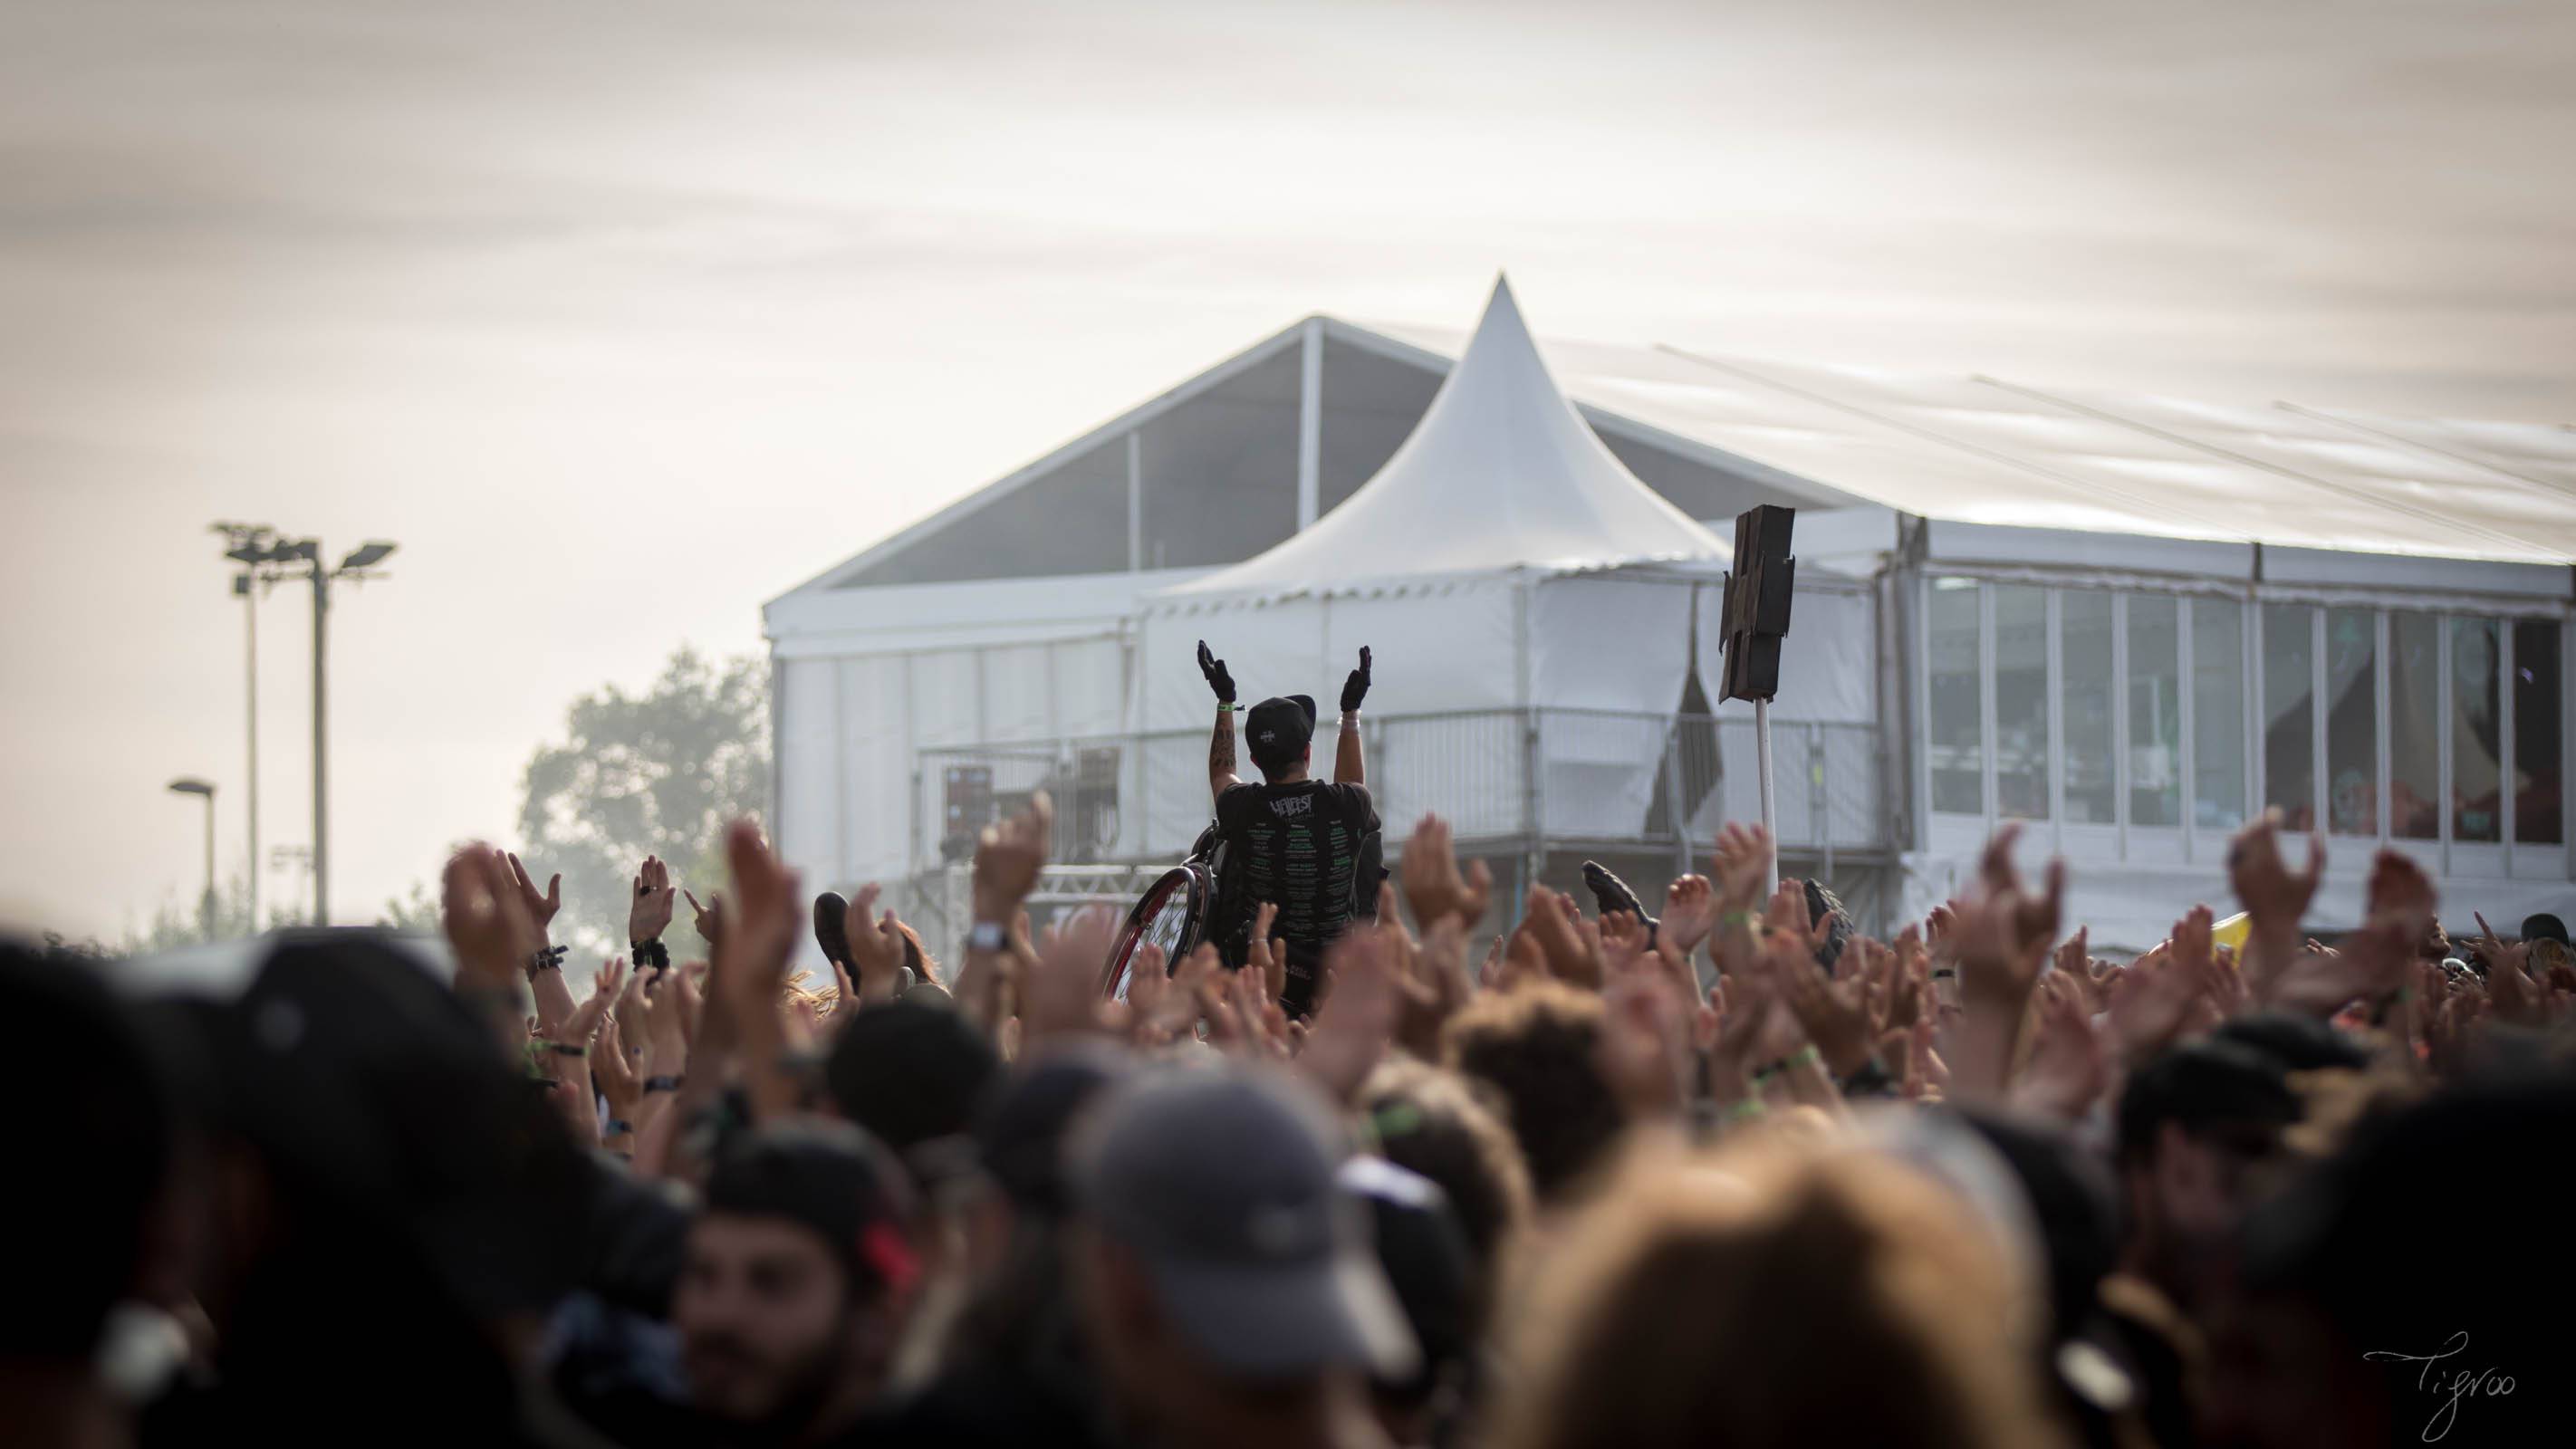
<point x="1221" y="776"/>
<point x="1349" y="768"/>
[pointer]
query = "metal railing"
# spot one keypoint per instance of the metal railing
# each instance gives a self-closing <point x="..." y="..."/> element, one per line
<point x="1526" y="779"/>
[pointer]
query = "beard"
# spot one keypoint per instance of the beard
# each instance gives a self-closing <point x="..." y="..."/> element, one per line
<point x="770" y="1399"/>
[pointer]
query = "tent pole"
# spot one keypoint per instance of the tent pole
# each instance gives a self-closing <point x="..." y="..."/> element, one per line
<point x="1762" y="765"/>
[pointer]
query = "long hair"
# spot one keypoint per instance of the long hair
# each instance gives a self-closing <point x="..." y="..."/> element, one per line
<point x="1773" y="1297"/>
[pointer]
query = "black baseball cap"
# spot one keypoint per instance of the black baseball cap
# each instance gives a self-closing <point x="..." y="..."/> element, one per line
<point x="1221" y="1181"/>
<point x="1279" y="729"/>
<point x="829" y="1176"/>
<point x="2544" y="927"/>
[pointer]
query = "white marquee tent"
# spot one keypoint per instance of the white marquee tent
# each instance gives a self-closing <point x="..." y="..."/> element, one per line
<point x="2128" y="621"/>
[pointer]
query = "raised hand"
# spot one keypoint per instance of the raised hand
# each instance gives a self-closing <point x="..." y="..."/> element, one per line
<point x="2151" y="1003"/>
<point x="1217" y="677"/>
<point x="2005" y="929"/>
<point x="1690" y="913"/>
<point x="1357" y="1019"/>
<point x="1555" y="927"/>
<point x="876" y="947"/>
<point x="486" y="920"/>
<point x="615" y="1075"/>
<point x="540" y="908"/>
<point x="709" y="918"/>
<point x="1008" y="859"/>
<point x="1061" y="994"/>
<point x="583" y="1024"/>
<point x="1265" y="953"/>
<point x="1355" y="688"/>
<point x="1743" y="864"/>
<point x="650" y="914"/>
<point x="1835" y="1017"/>
<point x="2274" y="895"/>
<point x="2068" y="1068"/>
<point x="1433" y="886"/>
<point x="751" y="960"/>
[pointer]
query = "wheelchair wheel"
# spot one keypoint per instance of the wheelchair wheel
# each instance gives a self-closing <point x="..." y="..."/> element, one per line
<point x="1172" y="914"/>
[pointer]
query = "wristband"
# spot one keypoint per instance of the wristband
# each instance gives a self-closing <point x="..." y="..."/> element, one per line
<point x="567" y="1049"/>
<point x="1731" y="918"/>
<point x="544" y="958"/>
<point x="618" y="1127"/>
<point x="651" y="952"/>
<point x="1805" y="1056"/>
<point x="988" y="938"/>
<point x="1738" y="1111"/>
<point x="662" y="1084"/>
<point x="1869" y="1079"/>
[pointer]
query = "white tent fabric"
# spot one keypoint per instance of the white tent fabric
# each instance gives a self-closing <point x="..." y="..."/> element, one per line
<point x="1501" y="473"/>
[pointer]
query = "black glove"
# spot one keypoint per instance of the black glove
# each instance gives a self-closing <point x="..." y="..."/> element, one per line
<point x="1217" y="678"/>
<point x="1355" y="688"/>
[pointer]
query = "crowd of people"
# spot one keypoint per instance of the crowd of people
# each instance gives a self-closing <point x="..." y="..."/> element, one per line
<point x="1443" y="1169"/>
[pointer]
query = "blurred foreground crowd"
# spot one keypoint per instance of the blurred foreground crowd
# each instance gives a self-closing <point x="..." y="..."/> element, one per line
<point x="1723" y="1172"/>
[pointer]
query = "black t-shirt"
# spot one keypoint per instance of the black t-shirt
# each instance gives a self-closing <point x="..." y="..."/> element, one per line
<point x="1299" y="848"/>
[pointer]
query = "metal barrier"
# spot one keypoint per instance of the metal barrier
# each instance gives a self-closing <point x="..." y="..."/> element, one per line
<point x="1522" y="779"/>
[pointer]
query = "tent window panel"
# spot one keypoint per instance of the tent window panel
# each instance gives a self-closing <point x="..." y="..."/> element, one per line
<point x="1073" y="520"/>
<point x="1220" y="470"/>
<point x="2155" y="710"/>
<point x="1957" y="748"/>
<point x="2477" y="739"/>
<point x="2021" y="702"/>
<point x="1371" y="403"/>
<point x="2289" y="713"/>
<point x="2084" y="719"/>
<point x="2414" y="726"/>
<point x="2218" y="713"/>
<point x="2539" y="741"/>
<point x="2352" y="721"/>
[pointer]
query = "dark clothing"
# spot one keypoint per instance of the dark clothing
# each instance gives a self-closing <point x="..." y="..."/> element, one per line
<point x="1298" y="846"/>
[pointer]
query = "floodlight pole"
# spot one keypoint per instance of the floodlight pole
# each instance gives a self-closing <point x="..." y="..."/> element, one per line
<point x="321" y="744"/>
<point x="248" y="587"/>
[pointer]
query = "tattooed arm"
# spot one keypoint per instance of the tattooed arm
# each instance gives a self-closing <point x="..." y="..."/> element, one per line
<point x="1221" y="776"/>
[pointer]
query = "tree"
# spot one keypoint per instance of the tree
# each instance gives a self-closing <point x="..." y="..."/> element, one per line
<point x="178" y="923"/>
<point x="655" y="774"/>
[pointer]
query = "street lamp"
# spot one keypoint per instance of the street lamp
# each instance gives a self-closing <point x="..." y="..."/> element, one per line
<point x="354" y="567"/>
<point x="259" y="550"/>
<point x="190" y="785"/>
<point x="253" y="544"/>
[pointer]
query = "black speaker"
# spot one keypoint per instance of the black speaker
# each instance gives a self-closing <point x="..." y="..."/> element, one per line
<point x="1757" y="601"/>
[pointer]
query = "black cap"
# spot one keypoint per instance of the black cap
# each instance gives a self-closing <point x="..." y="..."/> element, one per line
<point x="1279" y="729"/>
<point x="828" y="1176"/>
<point x="2544" y="927"/>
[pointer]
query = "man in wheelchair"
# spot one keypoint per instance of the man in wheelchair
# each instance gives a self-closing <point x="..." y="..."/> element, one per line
<point x="1308" y="847"/>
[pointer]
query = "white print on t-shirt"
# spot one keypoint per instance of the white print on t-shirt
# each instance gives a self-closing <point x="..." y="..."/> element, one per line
<point x="1293" y="805"/>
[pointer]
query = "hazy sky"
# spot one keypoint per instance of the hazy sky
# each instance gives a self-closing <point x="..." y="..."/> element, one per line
<point x="623" y="318"/>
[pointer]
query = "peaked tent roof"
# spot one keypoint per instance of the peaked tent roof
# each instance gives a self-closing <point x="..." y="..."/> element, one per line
<point x="1500" y="473"/>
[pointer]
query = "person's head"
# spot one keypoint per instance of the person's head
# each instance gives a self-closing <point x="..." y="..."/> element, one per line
<point x="796" y="1278"/>
<point x="1827" y="1297"/>
<point x="2542" y="926"/>
<point x="1216" y="1261"/>
<point x="90" y="1149"/>
<point x="2349" y="1328"/>
<point x="2198" y="1125"/>
<point x="910" y="1072"/>
<point x="1429" y="1120"/>
<point x="1823" y="905"/>
<point x="1279" y="733"/>
<point x="1538" y="1047"/>
<point x="2300" y="1043"/>
<point x="1425" y="1259"/>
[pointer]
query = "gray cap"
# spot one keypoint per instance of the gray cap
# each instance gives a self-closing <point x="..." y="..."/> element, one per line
<point x="1221" y="1181"/>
